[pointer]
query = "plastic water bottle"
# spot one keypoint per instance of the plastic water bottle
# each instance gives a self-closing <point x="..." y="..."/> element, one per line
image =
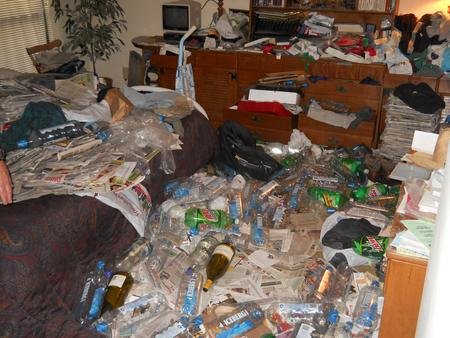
<point x="91" y="301"/>
<point x="126" y="319"/>
<point x="203" y="251"/>
<point x="189" y="292"/>
<point x="52" y="134"/>
<point x="365" y="315"/>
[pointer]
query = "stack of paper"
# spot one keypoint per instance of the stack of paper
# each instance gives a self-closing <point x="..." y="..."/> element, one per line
<point x="446" y="110"/>
<point x="415" y="241"/>
<point x="401" y="123"/>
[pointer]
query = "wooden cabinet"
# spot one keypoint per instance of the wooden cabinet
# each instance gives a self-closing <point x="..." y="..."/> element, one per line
<point x="215" y="77"/>
<point x="402" y="295"/>
<point x="264" y="126"/>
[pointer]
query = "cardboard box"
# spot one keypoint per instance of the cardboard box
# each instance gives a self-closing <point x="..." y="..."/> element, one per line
<point x="261" y="95"/>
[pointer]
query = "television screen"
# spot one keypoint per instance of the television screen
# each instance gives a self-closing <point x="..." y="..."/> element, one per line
<point x="176" y="18"/>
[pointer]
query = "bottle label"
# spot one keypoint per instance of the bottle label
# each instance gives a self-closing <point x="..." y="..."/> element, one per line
<point x="225" y="250"/>
<point x="60" y="126"/>
<point x="305" y="331"/>
<point x="85" y="291"/>
<point x="96" y="305"/>
<point x="117" y="280"/>
<point x="209" y="215"/>
<point x="190" y="298"/>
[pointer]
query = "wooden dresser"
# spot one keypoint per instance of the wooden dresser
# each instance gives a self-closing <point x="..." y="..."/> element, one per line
<point x="223" y="77"/>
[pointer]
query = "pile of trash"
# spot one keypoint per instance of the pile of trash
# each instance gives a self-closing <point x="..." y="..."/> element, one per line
<point x="298" y="255"/>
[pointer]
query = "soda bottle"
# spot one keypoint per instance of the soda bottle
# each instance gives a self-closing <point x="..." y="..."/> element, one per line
<point x="330" y="198"/>
<point x="219" y="263"/>
<point x="200" y="219"/>
<point x="371" y="191"/>
<point x="365" y="315"/>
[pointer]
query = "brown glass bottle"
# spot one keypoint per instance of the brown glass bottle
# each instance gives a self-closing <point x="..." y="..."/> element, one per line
<point x="219" y="263"/>
<point x="117" y="291"/>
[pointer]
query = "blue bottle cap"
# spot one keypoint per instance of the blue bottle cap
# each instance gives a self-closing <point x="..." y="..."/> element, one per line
<point x="21" y="144"/>
<point x="100" y="265"/>
<point x="333" y="316"/>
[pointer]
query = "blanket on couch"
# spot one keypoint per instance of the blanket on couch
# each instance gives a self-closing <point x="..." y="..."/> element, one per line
<point x="48" y="244"/>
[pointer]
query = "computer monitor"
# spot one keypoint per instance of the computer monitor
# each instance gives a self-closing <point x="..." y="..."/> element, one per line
<point x="179" y="16"/>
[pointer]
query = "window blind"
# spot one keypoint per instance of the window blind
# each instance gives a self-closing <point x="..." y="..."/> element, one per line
<point x="23" y="23"/>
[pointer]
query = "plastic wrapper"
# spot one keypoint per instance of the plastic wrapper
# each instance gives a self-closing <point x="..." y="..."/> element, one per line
<point x="291" y="317"/>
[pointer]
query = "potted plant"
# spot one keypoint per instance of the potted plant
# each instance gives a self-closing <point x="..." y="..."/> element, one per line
<point x="93" y="27"/>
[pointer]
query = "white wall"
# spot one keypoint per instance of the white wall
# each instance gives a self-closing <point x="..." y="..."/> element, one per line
<point x="421" y="7"/>
<point x="144" y="18"/>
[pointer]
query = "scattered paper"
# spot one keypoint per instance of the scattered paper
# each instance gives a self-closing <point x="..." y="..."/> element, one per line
<point x="421" y="229"/>
<point x="263" y="259"/>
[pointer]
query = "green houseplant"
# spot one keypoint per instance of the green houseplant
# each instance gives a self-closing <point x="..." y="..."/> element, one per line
<point x="93" y="27"/>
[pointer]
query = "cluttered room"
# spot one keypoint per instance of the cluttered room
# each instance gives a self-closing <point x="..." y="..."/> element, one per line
<point x="229" y="168"/>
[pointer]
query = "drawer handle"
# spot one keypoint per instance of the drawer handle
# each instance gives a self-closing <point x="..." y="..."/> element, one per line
<point x="256" y="118"/>
<point x="341" y="89"/>
<point x="333" y="141"/>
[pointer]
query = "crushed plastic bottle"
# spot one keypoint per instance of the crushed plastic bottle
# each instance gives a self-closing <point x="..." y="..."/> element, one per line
<point x="365" y="315"/>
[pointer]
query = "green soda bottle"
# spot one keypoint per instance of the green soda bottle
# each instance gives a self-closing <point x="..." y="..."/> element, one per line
<point x="352" y="165"/>
<point x="201" y="219"/>
<point x="371" y="191"/>
<point x="330" y="198"/>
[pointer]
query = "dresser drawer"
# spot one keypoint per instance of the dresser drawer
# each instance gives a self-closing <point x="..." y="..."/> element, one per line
<point x="375" y="72"/>
<point x="325" y="134"/>
<point x="351" y="93"/>
<point x="213" y="59"/>
<point x="267" y="127"/>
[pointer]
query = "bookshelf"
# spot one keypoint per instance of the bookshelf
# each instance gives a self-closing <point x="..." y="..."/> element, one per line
<point x="363" y="12"/>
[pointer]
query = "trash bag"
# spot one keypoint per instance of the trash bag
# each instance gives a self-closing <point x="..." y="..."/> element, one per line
<point x="238" y="150"/>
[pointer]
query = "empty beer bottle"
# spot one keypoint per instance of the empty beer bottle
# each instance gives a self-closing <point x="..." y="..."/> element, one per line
<point x="219" y="263"/>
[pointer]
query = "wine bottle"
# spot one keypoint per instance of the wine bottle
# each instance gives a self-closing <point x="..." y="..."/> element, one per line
<point x="218" y="264"/>
<point x="117" y="291"/>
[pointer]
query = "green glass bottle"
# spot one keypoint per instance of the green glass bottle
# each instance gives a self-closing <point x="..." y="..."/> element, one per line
<point x="118" y="288"/>
<point x="201" y="219"/>
<point x="330" y="198"/>
<point x="218" y="264"/>
<point x="371" y="191"/>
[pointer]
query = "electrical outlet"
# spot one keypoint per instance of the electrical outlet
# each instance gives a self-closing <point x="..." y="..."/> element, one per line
<point x="125" y="73"/>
